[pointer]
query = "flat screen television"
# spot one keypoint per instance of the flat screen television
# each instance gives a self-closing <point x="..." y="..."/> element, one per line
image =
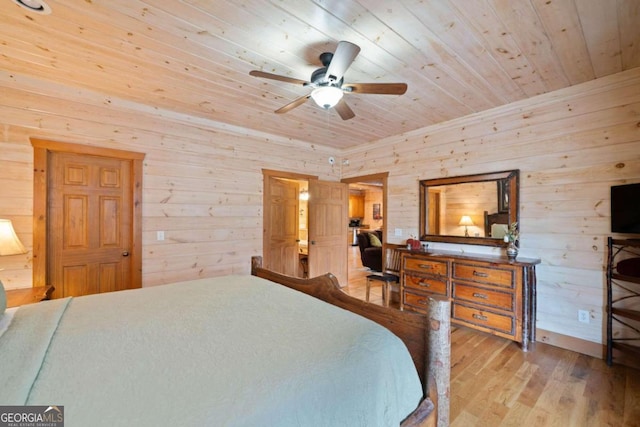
<point x="625" y="208"/>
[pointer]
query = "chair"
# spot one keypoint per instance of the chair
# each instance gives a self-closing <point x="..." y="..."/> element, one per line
<point x="389" y="276"/>
<point x="371" y="256"/>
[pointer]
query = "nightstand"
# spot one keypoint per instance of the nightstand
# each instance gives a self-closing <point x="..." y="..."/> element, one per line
<point x="18" y="297"/>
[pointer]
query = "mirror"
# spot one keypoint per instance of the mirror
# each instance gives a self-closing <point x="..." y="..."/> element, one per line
<point x="471" y="209"/>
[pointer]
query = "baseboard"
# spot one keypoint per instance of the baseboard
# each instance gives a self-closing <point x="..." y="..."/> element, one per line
<point x="578" y="345"/>
<point x="589" y="348"/>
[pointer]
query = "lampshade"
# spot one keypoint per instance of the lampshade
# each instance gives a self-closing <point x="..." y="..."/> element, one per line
<point x="327" y="96"/>
<point x="9" y="242"/>
<point x="465" y="220"/>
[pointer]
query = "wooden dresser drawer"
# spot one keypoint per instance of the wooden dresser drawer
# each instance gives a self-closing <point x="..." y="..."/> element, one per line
<point x="486" y="319"/>
<point x="416" y="301"/>
<point x="503" y="300"/>
<point x="498" y="276"/>
<point x="432" y="285"/>
<point x="428" y="266"/>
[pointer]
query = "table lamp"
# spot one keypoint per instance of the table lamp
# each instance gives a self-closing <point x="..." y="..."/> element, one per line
<point x="466" y="221"/>
<point x="9" y="242"/>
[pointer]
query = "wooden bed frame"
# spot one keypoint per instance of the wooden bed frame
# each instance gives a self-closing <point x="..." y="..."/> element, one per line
<point x="428" y="337"/>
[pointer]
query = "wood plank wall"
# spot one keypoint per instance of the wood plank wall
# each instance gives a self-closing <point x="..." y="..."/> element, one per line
<point x="202" y="180"/>
<point x="570" y="146"/>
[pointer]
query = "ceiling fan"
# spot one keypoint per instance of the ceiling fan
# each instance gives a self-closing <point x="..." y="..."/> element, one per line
<point x="328" y="82"/>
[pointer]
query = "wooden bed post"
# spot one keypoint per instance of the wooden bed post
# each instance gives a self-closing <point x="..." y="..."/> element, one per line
<point x="439" y="356"/>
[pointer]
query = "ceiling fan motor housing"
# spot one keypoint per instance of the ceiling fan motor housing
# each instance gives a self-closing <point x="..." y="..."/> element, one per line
<point x="325" y="58"/>
<point x="319" y="78"/>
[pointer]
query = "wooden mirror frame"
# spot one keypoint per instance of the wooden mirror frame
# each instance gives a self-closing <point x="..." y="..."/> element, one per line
<point x="512" y="180"/>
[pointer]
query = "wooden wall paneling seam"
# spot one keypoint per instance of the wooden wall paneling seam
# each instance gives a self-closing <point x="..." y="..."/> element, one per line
<point x="444" y="27"/>
<point x="492" y="30"/>
<point x="601" y="33"/>
<point x="562" y="22"/>
<point x="628" y="15"/>
<point x="523" y="22"/>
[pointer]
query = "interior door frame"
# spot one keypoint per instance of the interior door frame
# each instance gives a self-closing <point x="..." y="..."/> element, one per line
<point x="382" y="177"/>
<point x="266" y="214"/>
<point x="41" y="149"/>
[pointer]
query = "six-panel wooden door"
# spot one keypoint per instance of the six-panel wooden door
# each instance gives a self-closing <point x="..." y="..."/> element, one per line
<point x="90" y="222"/>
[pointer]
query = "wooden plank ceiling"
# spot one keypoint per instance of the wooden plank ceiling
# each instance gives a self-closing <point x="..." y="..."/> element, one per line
<point x="193" y="57"/>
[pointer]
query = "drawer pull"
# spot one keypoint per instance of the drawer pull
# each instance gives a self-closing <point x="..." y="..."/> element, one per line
<point x="480" y="317"/>
<point x="481" y="296"/>
<point x="424" y="284"/>
<point x="425" y="266"/>
<point x="422" y="301"/>
<point x="480" y="274"/>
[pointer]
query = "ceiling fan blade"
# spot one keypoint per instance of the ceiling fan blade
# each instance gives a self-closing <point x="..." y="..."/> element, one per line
<point x="293" y="104"/>
<point x="344" y="110"/>
<point x="257" y="73"/>
<point x="344" y="55"/>
<point x="377" y="88"/>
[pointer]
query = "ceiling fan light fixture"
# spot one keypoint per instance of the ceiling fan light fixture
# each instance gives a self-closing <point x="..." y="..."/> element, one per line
<point x="327" y="96"/>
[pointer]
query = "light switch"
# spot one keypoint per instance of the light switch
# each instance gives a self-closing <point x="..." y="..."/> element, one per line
<point x="160" y="235"/>
<point x="398" y="232"/>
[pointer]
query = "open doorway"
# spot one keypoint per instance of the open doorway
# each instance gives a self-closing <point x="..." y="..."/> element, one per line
<point x="304" y="236"/>
<point x="367" y="214"/>
<point x="286" y="224"/>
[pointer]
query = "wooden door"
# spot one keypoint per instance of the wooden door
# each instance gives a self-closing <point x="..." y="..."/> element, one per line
<point x="90" y="224"/>
<point x="281" y="225"/>
<point x="328" y="210"/>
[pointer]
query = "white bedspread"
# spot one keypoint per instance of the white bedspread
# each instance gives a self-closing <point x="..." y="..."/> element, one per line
<point x="231" y="351"/>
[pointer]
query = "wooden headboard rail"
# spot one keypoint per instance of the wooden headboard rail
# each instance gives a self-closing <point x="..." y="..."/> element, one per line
<point x="427" y="337"/>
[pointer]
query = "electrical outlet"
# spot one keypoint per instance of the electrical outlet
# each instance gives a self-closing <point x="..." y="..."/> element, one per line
<point x="583" y="316"/>
<point x="398" y="232"/>
<point x="160" y="235"/>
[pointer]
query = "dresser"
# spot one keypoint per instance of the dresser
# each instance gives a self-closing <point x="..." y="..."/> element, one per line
<point x="488" y="293"/>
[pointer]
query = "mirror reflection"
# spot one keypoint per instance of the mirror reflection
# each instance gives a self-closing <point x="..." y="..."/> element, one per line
<point x="475" y="209"/>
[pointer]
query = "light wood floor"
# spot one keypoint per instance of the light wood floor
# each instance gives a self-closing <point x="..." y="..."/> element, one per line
<point x="494" y="383"/>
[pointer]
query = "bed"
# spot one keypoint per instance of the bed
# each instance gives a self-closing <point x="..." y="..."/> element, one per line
<point x="228" y="351"/>
<point x="496" y="224"/>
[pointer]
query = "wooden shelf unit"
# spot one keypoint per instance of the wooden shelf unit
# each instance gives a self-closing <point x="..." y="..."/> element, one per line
<point x="628" y="287"/>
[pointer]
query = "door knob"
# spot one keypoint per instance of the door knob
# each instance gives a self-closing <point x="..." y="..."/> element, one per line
<point x="125" y="253"/>
<point x="313" y="242"/>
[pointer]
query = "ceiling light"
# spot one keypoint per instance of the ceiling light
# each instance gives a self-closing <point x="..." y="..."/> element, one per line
<point x="327" y="96"/>
<point x="38" y="6"/>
